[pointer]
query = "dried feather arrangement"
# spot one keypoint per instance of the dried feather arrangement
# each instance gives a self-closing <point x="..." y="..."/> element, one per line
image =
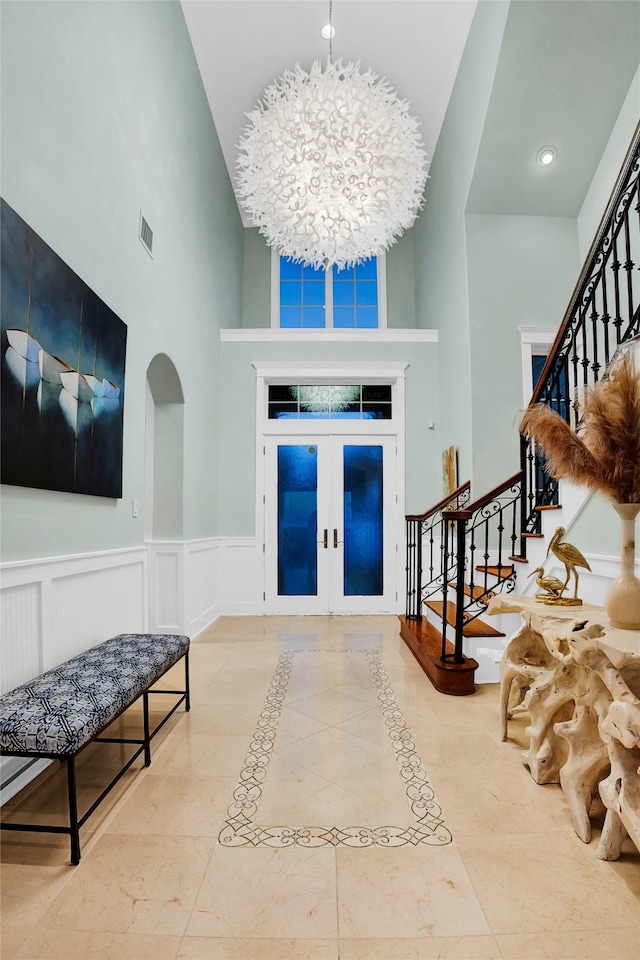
<point x="604" y="454"/>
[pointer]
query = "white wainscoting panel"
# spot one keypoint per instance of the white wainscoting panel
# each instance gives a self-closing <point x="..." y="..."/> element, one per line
<point x="169" y="590"/>
<point x="95" y="605"/>
<point x="192" y="582"/>
<point x="21" y="647"/>
<point x="54" y="608"/>
<point x="238" y="578"/>
<point x="201" y="585"/>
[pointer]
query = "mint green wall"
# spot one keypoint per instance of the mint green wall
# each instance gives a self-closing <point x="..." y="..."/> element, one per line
<point x="440" y="235"/>
<point x="401" y="282"/>
<point x="605" y="176"/>
<point x="104" y="115"/>
<point x="256" y="280"/>
<point x="520" y="271"/>
<point x="238" y="419"/>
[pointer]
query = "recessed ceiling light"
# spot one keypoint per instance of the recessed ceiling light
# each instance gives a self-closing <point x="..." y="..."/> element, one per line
<point x="545" y="156"/>
<point x="328" y="31"/>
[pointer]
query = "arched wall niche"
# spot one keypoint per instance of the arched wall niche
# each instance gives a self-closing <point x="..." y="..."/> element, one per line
<point x="164" y="451"/>
<point x="164" y="381"/>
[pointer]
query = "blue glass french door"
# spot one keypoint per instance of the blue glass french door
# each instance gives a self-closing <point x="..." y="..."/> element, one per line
<point x="297" y="520"/>
<point x="330" y="525"/>
<point x="362" y="520"/>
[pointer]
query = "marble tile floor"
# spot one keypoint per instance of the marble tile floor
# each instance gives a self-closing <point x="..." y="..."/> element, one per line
<point x="320" y="801"/>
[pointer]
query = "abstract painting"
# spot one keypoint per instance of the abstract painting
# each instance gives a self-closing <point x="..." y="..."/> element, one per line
<point x="63" y="363"/>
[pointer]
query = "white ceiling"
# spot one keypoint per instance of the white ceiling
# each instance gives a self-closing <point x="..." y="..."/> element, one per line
<point x="561" y="77"/>
<point x="242" y="45"/>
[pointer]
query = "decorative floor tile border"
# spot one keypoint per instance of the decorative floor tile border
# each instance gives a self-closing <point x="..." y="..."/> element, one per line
<point x="240" y="830"/>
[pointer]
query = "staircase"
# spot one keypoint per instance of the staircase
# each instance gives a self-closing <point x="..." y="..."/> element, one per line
<point x="461" y="553"/>
<point x="470" y="552"/>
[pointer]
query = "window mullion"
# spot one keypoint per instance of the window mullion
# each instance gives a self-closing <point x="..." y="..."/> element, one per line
<point x="328" y="298"/>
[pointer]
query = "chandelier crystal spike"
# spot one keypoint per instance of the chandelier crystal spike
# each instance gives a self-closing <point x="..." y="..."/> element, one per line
<point x="331" y="167"/>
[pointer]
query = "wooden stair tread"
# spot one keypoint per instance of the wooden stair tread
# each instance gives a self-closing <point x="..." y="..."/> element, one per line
<point x="517" y="559"/>
<point x="504" y="570"/>
<point x="425" y="643"/>
<point x="549" y="506"/>
<point x="476" y="628"/>
<point x="534" y="536"/>
<point x="477" y="593"/>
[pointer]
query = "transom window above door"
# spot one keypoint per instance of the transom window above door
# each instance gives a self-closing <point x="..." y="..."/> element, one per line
<point x="330" y="401"/>
<point x="307" y="298"/>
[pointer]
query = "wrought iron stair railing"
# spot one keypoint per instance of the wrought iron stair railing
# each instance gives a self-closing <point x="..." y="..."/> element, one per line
<point x="462" y="554"/>
<point x="487" y="533"/>
<point x="604" y="312"/>
<point x="429" y="549"/>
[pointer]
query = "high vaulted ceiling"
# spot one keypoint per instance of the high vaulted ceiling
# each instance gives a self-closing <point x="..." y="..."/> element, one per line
<point x="564" y="69"/>
<point x="242" y="45"/>
<point x="561" y="78"/>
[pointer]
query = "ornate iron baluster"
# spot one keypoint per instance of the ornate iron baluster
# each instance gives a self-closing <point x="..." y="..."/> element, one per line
<point x="584" y="338"/>
<point x="427" y="534"/>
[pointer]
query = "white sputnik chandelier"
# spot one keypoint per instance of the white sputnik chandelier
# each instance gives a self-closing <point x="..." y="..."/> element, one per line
<point x="331" y="167"/>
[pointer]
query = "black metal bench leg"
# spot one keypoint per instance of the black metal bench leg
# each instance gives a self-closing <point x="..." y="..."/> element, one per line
<point x="73" y="811"/>
<point x="187" y="697"/>
<point x="147" y="733"/>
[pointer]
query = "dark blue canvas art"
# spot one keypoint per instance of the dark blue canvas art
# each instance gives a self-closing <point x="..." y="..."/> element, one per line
<point x="63" y="361"/>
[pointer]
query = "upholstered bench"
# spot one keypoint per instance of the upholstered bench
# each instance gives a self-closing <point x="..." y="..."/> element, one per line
<point x="59" y="713"/>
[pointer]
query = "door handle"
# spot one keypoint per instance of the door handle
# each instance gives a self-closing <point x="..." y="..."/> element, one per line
<point x="325" y="539"/>
<point x="335" y="538"/>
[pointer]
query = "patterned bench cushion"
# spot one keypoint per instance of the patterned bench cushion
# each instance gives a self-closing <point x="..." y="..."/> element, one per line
<point x="64" y="708"/>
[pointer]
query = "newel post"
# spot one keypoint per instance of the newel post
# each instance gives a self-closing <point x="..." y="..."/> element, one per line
<point x="460" y="518"/>
<point x="413" y="568"/>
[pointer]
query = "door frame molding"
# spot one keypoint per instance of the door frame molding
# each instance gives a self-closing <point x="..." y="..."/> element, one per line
<point x="330" y="371"/>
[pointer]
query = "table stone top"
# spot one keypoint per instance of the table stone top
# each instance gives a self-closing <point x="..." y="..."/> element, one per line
<point x="542" y="617"/>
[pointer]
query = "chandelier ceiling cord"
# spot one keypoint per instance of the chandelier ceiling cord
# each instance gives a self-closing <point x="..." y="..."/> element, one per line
<point x="331" y="166"/>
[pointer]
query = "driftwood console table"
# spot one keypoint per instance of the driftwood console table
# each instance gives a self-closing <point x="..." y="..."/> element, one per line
<point x="578" y="678"/>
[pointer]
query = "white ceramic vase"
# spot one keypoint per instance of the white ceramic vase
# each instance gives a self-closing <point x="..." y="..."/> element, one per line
<point x="623" y="598"/>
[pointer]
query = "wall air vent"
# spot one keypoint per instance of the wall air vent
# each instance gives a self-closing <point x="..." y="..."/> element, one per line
<point x="146" y="235"/>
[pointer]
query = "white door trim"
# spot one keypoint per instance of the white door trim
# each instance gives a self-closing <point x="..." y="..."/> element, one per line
<point x="534" y="341"/>
<point x="329" y="597"/>
<point x="330" y="371"/>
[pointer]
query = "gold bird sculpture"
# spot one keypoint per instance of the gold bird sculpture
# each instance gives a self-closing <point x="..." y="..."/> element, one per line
<point x="570" y="556"/>
<point x="552" y="587"/>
